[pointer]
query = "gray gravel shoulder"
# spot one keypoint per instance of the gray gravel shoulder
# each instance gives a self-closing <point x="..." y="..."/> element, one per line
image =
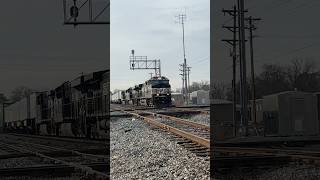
<point x="292" y="172"/>
<point x="139" y="152"/>
<point x="201" y="118"/>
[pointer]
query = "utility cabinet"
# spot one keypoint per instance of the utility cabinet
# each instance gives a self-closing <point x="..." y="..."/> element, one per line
<point x="290" y="113"/>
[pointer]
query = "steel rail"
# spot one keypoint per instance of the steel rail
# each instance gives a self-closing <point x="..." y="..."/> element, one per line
<point x="62" y="138"/>
<point x="62" y="149"/>
<point x="273" y="150"/>
<point x="89" y="170"/>
<point x="179" y="120"/>
<point x="194" y="138"/>
<point x="193" y="109"/>
<point x="43" y="170"/>
<point x="293" y="154"/>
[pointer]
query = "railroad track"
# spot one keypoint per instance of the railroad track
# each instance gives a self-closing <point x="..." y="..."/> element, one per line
<point x="191" y="135"/>
<point x="251" y="160"/>
<point x="64" y="139"/>
<point x="183" y="124"/>
<point x="63" y="161"/>
<point x="312" y="157"/>
<point x="199" y="110"/>
<point x="130" y="107"/>
<point x="195" y="109"/>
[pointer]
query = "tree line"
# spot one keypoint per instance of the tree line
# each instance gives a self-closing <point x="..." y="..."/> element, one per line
<point x="299" y="74"/>
<point x="17" y="94"/>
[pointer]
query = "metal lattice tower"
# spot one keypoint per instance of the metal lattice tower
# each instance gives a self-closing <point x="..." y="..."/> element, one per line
<point x="142" y="63"/>
<point x="181" y="20"/>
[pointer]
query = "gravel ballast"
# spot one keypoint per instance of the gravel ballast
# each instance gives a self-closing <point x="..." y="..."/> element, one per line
<point x="290" y="172"/>
<point x="140" y="152"/>
<point x="22" y="162"/>
<point x="201" y="118"/>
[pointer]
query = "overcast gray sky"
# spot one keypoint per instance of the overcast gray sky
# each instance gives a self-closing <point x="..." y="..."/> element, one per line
<point x="288" y="30"/>
<point x="149" y="27"/>
<point x="37" y="51"/>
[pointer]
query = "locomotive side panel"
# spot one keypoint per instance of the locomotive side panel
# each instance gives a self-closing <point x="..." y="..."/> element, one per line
<point x="78" y="110"/>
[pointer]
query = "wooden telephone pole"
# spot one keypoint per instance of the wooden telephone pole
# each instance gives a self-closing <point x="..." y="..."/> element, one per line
<point x="253" y="89"/>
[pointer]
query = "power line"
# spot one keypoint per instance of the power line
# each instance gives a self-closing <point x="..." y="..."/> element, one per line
<point x="293" y="10"/>
<point x="283" y="2"/>
<point x="289" y="36"/>
<point x="291" y="51"/>
<point x="201" y="60"/>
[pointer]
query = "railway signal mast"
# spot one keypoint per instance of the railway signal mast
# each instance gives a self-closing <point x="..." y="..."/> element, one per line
<point x="143" y="63"/>
<point x="92" y="16"/>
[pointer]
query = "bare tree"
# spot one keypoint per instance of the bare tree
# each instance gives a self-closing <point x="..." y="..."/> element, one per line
<point x="303" y="75"/>
<point x="3" y="98"/>
<point x="20" y="92"/>
<point x="272" y="79"/>
<point x="218" y="90"/>
<point x="202" y="85"/>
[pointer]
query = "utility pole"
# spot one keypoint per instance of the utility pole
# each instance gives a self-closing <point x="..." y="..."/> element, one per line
<point x="253" y="91"/>
<point x="188" y="70"/>
<point x="181" y="20"/>
<point x="4" y="104"/>
<point x="183" y="79"/>
<point x="243" y="72"/>
<point x="233" y="42"/>
<point x="3" y="118"/>
<point x="234" y="71"/>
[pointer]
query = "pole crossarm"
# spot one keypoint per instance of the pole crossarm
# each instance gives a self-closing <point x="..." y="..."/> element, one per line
<point x="231" y="41"/>
<point x="231" y="12"/>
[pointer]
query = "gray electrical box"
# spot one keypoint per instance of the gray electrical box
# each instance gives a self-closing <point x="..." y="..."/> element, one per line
<point x="290" y="113"/>
<point x="223" y="126"/>
<point x="1" y="117"/>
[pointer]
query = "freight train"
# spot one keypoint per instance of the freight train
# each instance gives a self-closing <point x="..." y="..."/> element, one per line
<point x="77" y="108"/>
<point x="154" y="92"/>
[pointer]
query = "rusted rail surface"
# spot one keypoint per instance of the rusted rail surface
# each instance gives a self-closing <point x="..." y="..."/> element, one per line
<point x="180" y="109"/>
<point x="194" y="138"/>
<point x="193" y="109"/>
<point x="179" y="120"/>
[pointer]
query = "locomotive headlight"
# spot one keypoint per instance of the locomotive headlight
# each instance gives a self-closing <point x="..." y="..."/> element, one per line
<point x="168" y="94"/>
<point x="157" y="94"/>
